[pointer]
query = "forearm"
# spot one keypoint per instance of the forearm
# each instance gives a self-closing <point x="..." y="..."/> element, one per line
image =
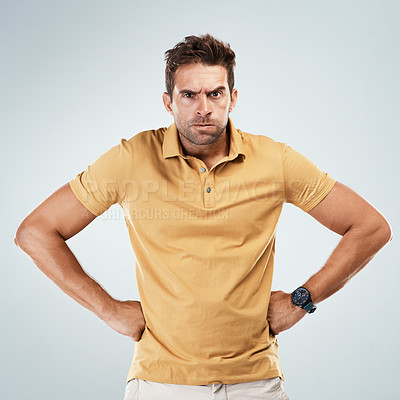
<point x="355" y="250"/>
<point x="54" y="258"/>
<point x="364" y="232"/>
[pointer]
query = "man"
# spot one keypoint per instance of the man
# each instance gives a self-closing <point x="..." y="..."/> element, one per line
<point x="201" y="201"/>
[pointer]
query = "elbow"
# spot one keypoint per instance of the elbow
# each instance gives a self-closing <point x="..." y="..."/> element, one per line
<point x="34" y="233"/>
<point x="27" y="235"/>
<point x="384" y="231"/>
<point x="21" y="238"/>
<point x="389" y="232"/>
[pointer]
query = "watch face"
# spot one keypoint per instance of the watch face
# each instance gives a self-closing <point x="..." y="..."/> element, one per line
<point x="300" y="296"/>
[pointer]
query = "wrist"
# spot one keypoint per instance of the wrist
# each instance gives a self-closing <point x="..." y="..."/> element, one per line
<point x="106" y="306"/>
<point x="301" y="298"/>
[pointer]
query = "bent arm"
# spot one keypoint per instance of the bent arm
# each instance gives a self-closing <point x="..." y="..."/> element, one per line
<point x="365" y="231"/>
<point x="42" y="235"/>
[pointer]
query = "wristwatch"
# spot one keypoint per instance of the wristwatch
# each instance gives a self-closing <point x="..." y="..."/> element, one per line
<point x="301" y="297"/>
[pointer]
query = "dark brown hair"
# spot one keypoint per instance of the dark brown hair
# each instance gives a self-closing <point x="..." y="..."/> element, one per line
<point x="204" y="49"/>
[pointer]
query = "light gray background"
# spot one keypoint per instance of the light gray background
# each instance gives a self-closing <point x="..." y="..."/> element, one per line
<point x="77" y="76"/>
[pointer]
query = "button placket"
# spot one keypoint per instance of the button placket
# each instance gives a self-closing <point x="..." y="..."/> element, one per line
<point x="209" y="192"/>
<point x="204" y="181"/>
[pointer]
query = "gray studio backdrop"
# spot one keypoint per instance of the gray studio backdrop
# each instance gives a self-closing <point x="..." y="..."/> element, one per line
<point x="77" y="76"/>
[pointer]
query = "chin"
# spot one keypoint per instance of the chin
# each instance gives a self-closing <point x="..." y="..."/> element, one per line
<point x="214" y="131"/>
<point x="204" y="138"/>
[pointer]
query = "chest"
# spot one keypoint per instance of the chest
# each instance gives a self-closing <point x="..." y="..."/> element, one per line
<point x="182" y="200"/>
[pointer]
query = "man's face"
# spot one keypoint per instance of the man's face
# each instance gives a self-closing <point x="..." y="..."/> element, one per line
<point x="201" y="102"/>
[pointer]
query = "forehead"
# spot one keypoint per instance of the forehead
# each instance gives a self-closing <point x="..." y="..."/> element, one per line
<point x="200" y="76"/>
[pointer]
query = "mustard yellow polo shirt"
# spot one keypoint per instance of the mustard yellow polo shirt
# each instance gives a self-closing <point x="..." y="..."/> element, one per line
<point x="204" y="242"/>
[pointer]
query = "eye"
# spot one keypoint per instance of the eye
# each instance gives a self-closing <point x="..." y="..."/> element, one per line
<point x="216" y="94"/>
<point x="187" y="95"/>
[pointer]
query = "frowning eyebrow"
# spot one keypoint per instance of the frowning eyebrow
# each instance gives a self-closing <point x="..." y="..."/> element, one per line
<point x="188" y="91"/>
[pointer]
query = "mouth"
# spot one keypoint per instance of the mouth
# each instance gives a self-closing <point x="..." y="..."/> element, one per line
<point x="203" y="125"/>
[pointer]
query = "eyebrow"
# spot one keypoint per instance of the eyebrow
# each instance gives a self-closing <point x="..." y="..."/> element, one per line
<point x="221" y="88"/>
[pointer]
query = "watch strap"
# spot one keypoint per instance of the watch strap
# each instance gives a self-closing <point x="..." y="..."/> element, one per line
<point x="309" y="307"/>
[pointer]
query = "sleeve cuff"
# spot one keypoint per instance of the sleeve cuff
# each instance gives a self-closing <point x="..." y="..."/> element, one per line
<point x="328" y="186"/>
<point x="95" y="210"/>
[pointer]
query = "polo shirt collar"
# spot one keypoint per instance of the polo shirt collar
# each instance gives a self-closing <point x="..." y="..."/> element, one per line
<point x="172" y="146"/>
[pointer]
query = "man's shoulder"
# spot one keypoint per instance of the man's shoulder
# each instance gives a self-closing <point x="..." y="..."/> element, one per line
<point x="147" y="137"/>
<point x="260" y="142"/>
<point x="143" y="141"/>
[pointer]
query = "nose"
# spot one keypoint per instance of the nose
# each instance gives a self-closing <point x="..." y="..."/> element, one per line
<point x="203" y="106"/>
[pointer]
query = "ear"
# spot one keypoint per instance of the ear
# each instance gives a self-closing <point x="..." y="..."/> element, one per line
<point x="167" y="103"/>
<point x="233" y="100"/>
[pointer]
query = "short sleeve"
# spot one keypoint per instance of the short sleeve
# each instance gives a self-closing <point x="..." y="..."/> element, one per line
<point x="102" y="183"/>
<point x="305" y="184"/>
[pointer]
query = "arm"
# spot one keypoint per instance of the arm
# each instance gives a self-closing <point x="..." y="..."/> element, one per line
<point x="43" y="234"/>
<point x="365" y="231"/>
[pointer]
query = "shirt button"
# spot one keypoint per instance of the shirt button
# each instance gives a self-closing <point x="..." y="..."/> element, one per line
<point x="202" y="170"/>
<point x="208" y="190"/>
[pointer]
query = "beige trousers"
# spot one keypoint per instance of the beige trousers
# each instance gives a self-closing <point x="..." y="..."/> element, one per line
<point x="266" y="389"/>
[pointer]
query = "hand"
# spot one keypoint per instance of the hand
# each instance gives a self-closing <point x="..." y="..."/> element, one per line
<point x="282" y="314"/>
<point x="127" y="319"/>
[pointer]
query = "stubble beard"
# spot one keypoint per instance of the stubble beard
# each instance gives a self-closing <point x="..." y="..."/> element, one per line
<point x="199" y="137"/>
